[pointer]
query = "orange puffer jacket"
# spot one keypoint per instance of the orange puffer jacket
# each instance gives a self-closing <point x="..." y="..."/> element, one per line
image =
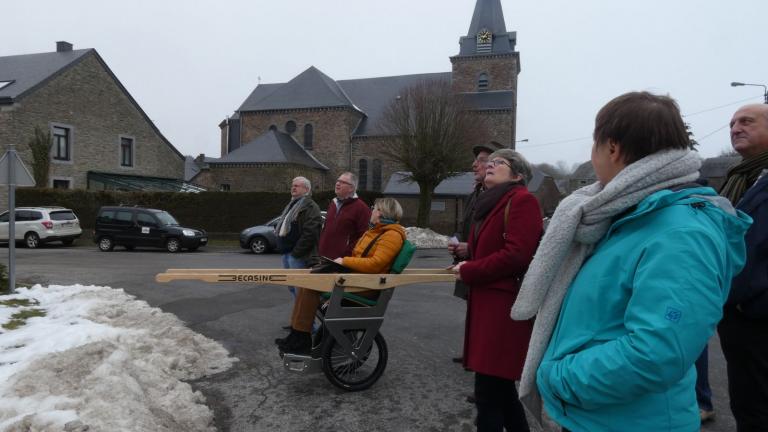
<point x="383" y="253"/>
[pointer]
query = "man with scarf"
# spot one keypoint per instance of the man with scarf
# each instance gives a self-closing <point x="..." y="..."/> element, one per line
<point x="630" y="279"/>
<point x="299" y="228"/>
<point x="744" y="328"/>
<point x="346" y="221"/>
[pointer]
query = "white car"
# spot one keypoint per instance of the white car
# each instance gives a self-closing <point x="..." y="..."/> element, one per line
<point x="37" y="225"/>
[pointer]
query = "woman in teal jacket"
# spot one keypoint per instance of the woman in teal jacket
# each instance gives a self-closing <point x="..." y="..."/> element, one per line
<point x="644" y="260"/>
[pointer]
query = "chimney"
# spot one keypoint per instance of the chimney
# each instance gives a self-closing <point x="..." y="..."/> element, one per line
<point x="63" y="46"/>
<point x="200" y="159"/>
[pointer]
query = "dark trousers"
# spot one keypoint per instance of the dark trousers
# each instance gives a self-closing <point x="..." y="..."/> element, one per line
<point x="745" y="346"/>
<point x="498" y="406"/>
<point x="703" y="391"/>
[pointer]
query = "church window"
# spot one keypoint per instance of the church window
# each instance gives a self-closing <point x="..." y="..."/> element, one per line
<point x="376" y="175"/>
<point x="309" y="134"/>
<point x="362" y="174"/>
<point x="290" y="126"/>
<point x="482" y="82"/>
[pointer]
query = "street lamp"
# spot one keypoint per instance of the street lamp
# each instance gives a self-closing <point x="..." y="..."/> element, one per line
<point x="765" y="88"/>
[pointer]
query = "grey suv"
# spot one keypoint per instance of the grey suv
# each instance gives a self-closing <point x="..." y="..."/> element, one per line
<point x="38" y="225"/>
<point x="133" y="227"/>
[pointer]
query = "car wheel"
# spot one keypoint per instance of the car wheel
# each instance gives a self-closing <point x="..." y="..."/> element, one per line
<point x="106" y="244"/>
<point x="32" y="240"/>
<point x="67" y="242"/>
<point x="258" y="245"/>
<point x="172" y="245"/>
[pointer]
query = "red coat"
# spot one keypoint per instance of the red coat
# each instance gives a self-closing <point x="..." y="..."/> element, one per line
<point x="343" y="228"/>
<point x="494" y="344"/>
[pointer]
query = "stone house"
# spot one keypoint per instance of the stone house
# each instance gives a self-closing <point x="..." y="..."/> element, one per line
<point x="102" y="139"/>
<point x="340" y="123"/>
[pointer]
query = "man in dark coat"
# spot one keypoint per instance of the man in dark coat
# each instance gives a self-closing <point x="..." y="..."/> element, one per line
<point x="346" y="221"/>
<point x="299" y="228"/>
<point x="459" y="250"/>
<point x="744" y="327"/>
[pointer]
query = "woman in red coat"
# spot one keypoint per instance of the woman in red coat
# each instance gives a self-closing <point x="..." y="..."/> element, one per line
<point x="505" y="232"/>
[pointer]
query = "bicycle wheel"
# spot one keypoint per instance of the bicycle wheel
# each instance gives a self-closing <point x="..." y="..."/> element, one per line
<point x="354" y="374"/>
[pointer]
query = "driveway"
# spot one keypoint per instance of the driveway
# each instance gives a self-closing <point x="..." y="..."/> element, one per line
<point x="421" y="389"/>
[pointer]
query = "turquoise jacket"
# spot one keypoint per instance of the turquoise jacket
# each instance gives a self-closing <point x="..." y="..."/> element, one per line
<point x="639" y="313"/>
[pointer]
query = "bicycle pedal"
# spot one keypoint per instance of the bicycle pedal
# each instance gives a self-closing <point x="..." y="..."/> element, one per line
<point x="302" y="363"/>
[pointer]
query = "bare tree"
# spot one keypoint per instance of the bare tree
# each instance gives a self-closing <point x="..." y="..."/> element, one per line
<point x="729" y="152"/>
<point x="40" y="144"/>
<point x="433" y="134"/>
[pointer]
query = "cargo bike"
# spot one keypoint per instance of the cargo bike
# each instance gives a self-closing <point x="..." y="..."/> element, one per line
<point x="346" y="345"/>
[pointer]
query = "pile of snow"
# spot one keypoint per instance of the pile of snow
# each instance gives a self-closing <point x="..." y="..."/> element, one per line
<point x="102" y="361"/>
<point x="425" y="238"/>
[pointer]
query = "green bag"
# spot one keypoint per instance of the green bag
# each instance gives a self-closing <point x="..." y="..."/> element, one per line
<point x="403" y="258"/>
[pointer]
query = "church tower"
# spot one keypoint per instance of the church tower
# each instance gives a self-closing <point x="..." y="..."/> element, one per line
<point x="486" y="70"/>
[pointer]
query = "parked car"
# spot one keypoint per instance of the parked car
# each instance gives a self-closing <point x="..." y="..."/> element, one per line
<point x="38" y="225"/>
<point x="262" y="238"/>
<point x="133" y="227"/>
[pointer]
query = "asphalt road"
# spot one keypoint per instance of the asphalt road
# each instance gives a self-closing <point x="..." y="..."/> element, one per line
<point x="421" y="389"/>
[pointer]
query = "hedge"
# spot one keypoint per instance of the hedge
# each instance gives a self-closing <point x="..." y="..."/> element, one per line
<point x="218" y="212"/>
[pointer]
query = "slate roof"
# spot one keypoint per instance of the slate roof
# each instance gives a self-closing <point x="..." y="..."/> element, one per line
<point x="309" y="89"/>
<point x="488" y="15"/>
<point x="459" y="185"/>
<point x="371" y="96"/>
<point x="29" y="71"/>
<point x="270" y="147"/>
<point x="718" y="166"/>
<point x="584" y="171"/>
<point x="191" y="168"/>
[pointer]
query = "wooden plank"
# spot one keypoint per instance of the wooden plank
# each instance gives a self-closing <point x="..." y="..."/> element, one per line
<point x="353" y="282"/>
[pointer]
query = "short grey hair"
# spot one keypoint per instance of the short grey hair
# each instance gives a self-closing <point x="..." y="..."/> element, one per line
<point x="306" y="182"/>
<point x="517" y="163"/>
<point x="352" y="178"/>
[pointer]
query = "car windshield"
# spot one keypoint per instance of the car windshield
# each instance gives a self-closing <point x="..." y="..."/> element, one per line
<point x="166" y="218"/>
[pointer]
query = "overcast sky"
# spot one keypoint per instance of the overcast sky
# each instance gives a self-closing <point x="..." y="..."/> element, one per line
<point x="191" y="63"/>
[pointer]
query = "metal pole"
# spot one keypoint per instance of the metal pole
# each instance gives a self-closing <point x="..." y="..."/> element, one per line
<point x="11" y="220"/>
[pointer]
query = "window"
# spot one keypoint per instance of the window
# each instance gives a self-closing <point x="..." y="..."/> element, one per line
<point x="65" y="215"/>
<point x="224" y="187"/>
<point x="290" y="126"/>
<point x="308" y="136"/>
<point x="377" y="175"/>
<point x="60" y="184"/>
<point x="123" y="217"/>
<point x="482" y="82"/>
<point x="126" y="152"/>
<point x="4" y="217"/>
<point x="273" y="128"/>
<point x="145" y="220"/>
<point x="4" y="84"/>
<point x="362" y="174"/>
<point x="61" y="143"/>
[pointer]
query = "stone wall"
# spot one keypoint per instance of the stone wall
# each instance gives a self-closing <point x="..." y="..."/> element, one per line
<point x="502" y="72"/>
<point x="332" y="129"/>
<point x="87" y="100"/>
<point x="443" y="217"/>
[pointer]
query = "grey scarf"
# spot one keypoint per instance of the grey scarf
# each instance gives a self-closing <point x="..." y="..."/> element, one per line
<point x="290" y="212"/>
<point x="579" y="222"/>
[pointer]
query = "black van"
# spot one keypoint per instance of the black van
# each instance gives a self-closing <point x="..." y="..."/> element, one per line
<point x="141" y="227"/>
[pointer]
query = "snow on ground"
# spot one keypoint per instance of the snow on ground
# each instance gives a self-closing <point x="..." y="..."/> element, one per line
<point x="425" y="238"/>
<point x="99" y="360"/>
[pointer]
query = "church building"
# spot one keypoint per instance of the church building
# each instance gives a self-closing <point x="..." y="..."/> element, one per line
<point x="318" y="127"/>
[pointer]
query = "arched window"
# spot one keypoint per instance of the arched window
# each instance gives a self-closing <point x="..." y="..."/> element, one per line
<point x="290" y="126"/>
<point x="362" y="174"/>
<point x="376" y="175"/>
<point x="308" y="136"/>
<point x="482" y="82"/>
<point x="273" y="128"/>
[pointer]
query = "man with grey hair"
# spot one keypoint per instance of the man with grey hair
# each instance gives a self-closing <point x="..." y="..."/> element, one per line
<point x="744" y="327"/>
<point x="299" y="228"/>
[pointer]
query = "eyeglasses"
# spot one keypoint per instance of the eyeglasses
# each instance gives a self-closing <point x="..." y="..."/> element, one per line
<point x="481" y="160"/>
<point x="344" y="182"/>
<point x="497" y="162"/>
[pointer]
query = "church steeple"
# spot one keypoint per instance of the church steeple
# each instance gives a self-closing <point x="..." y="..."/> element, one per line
<point x="487" y="32"/>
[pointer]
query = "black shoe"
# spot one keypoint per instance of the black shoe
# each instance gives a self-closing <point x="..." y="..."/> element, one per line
<point x="282" y="341"/>
<point x="457" y="359"/>
<point x="300" y="344"/>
